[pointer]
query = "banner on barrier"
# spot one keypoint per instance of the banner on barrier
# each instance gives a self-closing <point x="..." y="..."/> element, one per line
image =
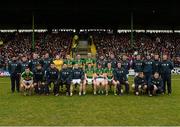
<point x="4" y="73"/>
<point x="174" y="71"/>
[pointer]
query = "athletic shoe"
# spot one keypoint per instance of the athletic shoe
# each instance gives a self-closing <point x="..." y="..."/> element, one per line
<point x="71" y="94"/>
<point x="79" y="93"/>
<point x="56" y="94"/>
<point x="122" y="90"/>
<point x="84" y="93"/>
<point x="169" y="94"/>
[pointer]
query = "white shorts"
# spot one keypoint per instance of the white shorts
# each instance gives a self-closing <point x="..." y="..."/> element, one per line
<point x="89" y="81"/>
<point x="76" y="81"/>
<point x="100" y="79"/>
<point x="27" y="82"/>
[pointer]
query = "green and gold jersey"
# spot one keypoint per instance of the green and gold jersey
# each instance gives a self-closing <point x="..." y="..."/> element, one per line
<point x="79" y="62"/>
<point x="109" y="73"/>
<point x="27" y="76"/>
<point x="89" y="72"/>
<point x="99" y="72"/>
<point x="69" y="63"/>
<point x="89" y="60"/>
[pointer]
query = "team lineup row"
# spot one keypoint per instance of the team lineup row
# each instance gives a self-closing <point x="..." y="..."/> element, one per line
<point x="151" y="76"/>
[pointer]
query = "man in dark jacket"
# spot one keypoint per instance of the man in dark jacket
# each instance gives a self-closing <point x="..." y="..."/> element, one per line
<point x="156" y="84"/>
<point x="140" y="83"/>
<point x="121" y="78"/>
<point x="39" y="78"/>
<point x="165" y="68"/>
<point x="14" y="68"/>
<point x="77" y="77"/>
<point x="52" y="76"/>
<point x="65" y="78"/>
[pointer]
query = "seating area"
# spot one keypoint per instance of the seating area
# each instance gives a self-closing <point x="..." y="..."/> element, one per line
<point x="144" y="43"/>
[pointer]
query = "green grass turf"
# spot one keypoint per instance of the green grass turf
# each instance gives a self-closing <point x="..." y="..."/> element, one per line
<point x="16" y="109"/>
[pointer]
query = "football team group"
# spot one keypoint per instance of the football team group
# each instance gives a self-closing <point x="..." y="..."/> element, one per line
<point x="46" y="75"/>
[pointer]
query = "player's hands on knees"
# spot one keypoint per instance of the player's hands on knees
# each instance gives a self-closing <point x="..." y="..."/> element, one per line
<point x="145" y="87"/>
<point x="117" y="82"/>
<point x="22" y="85"/>
<point x="26" y="87"/>
<point x="155" y="87"/>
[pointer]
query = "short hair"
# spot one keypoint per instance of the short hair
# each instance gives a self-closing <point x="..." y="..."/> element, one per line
<point x="27" y="68"/>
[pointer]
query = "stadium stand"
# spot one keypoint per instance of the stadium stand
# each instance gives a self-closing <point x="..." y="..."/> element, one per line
<point x="108" y="45"/>
<point x="103" y="43"/>
<point x="144" y="43"/>
<point x="19" y="44"/>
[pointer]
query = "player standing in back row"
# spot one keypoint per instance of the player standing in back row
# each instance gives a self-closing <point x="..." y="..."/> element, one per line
<point x="165" y="68"/>
<point x="138" y="65"/>
<point x="14" y="68"/>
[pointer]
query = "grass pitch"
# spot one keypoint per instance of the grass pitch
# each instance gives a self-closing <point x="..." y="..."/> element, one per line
<point x="16" y="109"/>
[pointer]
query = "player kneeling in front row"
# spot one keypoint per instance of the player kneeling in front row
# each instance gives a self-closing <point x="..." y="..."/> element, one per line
<point x="65" y="78"/>
<point x="89" y="77"/>
<point x="140" y="83"/>
<point x="39" y="79"/>
<point x="99" y="82"/>
<point x="52" y="76"/>
<point x="77" y="77"/>
<point x="110" y="78"/>
<point x="120" y="78"/>
<point x="27" y="82"/>
<point x="156" y="86"/>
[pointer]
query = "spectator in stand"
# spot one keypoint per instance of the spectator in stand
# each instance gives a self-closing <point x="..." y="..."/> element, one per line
<point x="19" y="44"/>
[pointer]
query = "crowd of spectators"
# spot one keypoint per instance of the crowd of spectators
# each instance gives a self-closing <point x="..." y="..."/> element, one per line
<point x="20" y="44"/>
<point x="143" y="43"/>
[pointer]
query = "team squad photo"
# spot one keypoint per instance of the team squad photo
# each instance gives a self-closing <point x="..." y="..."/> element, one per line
<point x="46" y="75"/>
<point x="89" y="63"/>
